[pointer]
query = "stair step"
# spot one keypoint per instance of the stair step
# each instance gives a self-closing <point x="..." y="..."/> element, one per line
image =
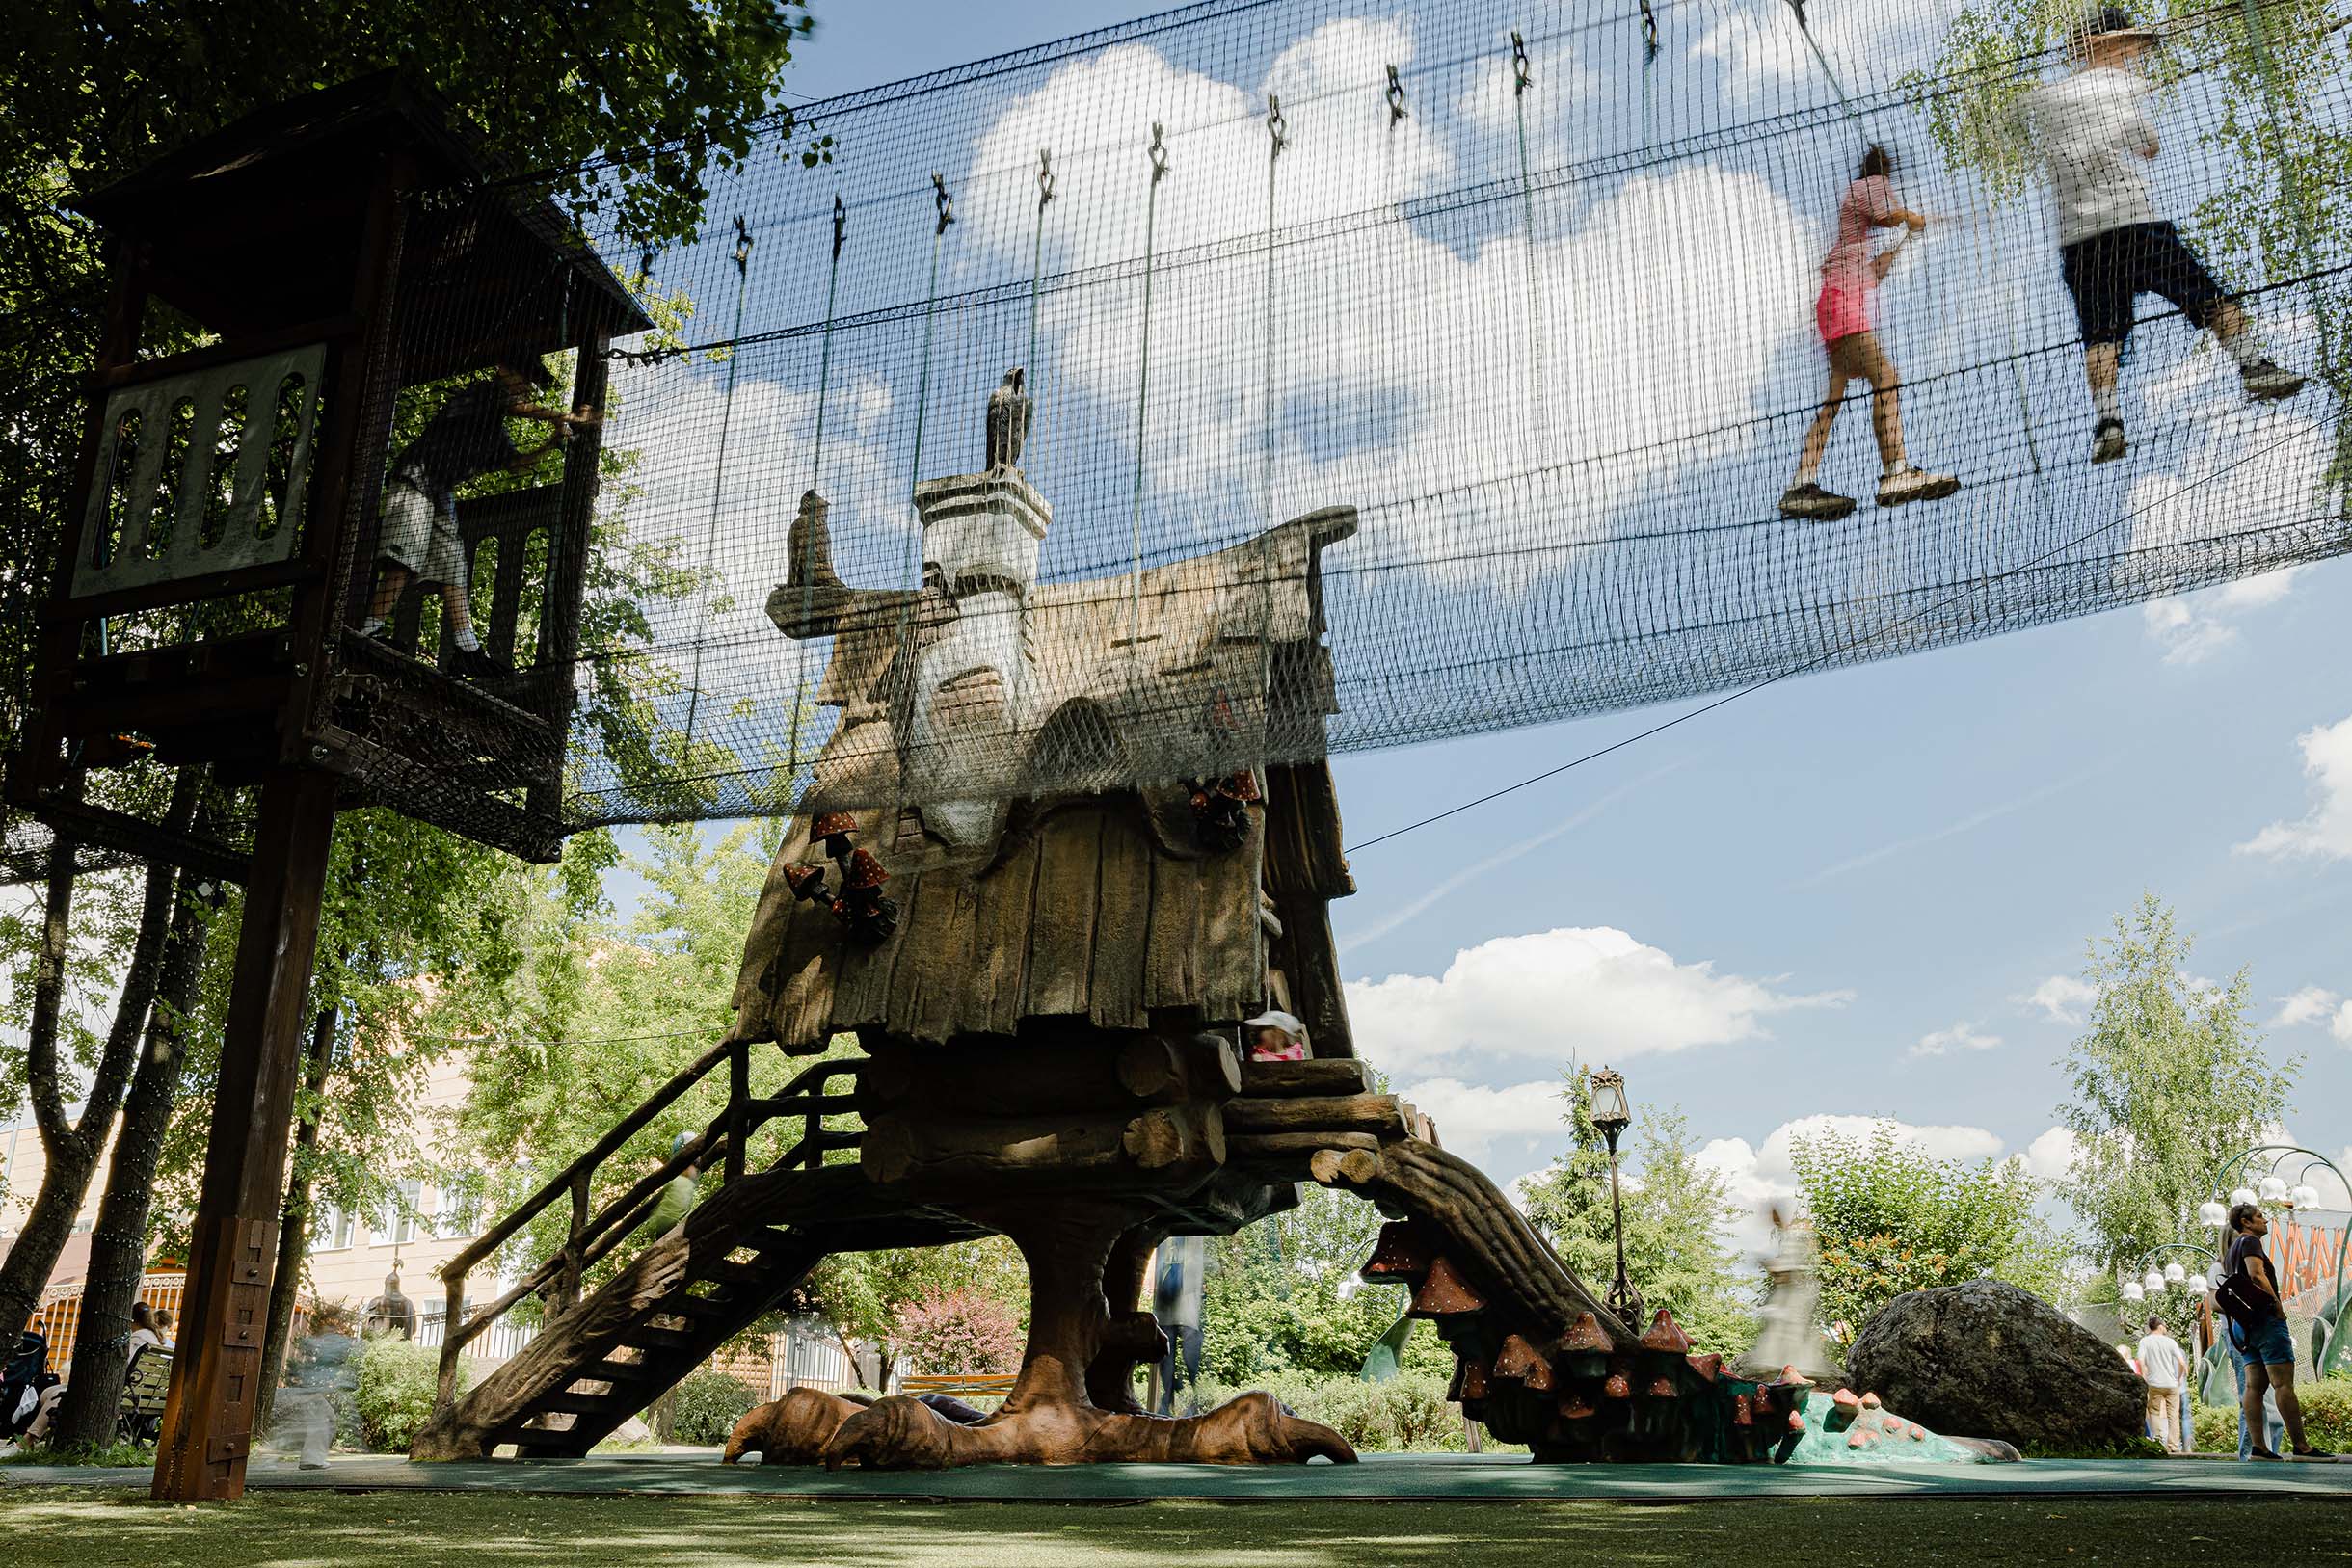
<point x="770" y="1239"/>
<point x="616" y="1372"/>
<point x="701" y="1308"/>
<point x="585" y="1404"/>
<point x="648" y="1338"/>
<point x="732" y="1273"/>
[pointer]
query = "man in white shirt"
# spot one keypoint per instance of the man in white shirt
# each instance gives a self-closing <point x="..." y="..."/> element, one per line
<point x="2165" y="1368"/>
<point x="2091" y="132"/>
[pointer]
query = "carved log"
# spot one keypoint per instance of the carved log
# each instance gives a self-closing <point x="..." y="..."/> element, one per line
<point x="1353" y="1166"/>
<point x="1288" y="1149"/>
<point x="973" y="1157"/>
<point x="1317" y="1076"/>
<point x="970" y="1079"/>
<point x="1377" y="1114"/>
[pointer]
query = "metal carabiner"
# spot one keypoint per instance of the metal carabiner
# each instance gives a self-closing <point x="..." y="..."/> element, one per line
<point x="1159" y="154"/>
<point x="945" y="201"/>
<point x="1396" y="96"/>
<point x="1521" y="69"/>
<point x="742" y="255"/>
<point x="1276" y="127"/>
<point x="1045" y="177"/>
<point x="841" y="227"/>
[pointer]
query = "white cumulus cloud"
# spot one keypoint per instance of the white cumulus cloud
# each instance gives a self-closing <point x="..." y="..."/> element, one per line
<point x="2050" y="1155"/>
<point x="2063" y="996"/>
<point x="2312" y="1004"/>
<point x="2325" y="833"/>
<point x="1590" y="995"/>
<point x="2192" y="627"/>
<point x="1504" y="1126"/>
<point x="1962" y="1036"/>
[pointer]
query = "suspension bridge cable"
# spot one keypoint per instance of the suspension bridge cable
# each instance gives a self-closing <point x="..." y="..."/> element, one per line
<point x="1830" y="654"/>
<point x="816" y="466"/>
<point x="718" y="468"/>
<point x="1143" y="384"/>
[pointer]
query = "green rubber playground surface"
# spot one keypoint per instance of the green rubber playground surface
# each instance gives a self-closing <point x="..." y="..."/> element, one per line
<point x="1435" y="1477"/>
<point x="84" y="1527"/>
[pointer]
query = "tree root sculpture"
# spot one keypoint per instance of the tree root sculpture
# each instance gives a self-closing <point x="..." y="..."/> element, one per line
<point x="900" y="1433"/>
<point x="792" y="1430"/>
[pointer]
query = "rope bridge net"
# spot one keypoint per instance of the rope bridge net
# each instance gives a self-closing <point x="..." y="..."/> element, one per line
<point x="1531" y="288"/>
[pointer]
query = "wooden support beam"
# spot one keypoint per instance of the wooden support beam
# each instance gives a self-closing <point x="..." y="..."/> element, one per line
<point x="208" y="1420"/>
<point x="1319" y="1075"/>
<point x="1378" y="1114"/>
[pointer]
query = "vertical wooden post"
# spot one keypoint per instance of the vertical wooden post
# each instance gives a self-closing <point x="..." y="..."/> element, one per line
<point x="738" y="1107"/>
<point x="208" y="1421"/>
<point x="559" y="627"/>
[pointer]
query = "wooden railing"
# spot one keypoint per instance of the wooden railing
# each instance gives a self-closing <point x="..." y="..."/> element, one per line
<point x="588" y="1237"/>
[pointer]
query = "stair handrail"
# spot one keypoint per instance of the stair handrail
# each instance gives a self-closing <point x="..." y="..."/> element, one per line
<point x="589" y="1239"/>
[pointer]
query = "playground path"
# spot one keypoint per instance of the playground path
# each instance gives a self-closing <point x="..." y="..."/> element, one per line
<point x="1452" y="1477"/>
<point x="96" y="1527"/>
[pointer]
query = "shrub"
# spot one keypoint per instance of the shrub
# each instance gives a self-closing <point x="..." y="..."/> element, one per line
<point x="708" y="1405"/>
<point x="2327" y="1418"/>
<point x="960" y="1332"/>
<point x="1406" y="1412"/>
<point x="393" y="1396"/>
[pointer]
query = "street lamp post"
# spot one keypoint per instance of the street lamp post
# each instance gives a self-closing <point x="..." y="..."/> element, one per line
<point x="1612" y="1116"/>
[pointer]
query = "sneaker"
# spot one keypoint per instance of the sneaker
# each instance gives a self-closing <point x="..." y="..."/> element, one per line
<point x="2314" y="1454"/>
<point x="1811" y="502"/>
<point x="2107" y="442"/>
<point x="474" y="664"/>
<point x="1909" y="484"/>
<point x="2260" y="1454"/>
<point x="2266" y="383"/>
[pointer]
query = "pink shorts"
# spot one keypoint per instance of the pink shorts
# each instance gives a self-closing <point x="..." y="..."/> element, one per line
<point x="1841" y="312"/>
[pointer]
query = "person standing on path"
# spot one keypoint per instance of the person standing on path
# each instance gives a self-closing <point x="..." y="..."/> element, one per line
<point x="2112" y="245"/>
<point x="2165" y="1368"/>
<point x="2260" y="1336"/>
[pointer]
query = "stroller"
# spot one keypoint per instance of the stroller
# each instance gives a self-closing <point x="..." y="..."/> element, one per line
<point x="22" y="1382"/>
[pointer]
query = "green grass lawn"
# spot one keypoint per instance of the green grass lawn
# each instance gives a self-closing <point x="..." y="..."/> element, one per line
<point x="83" y="1528"/>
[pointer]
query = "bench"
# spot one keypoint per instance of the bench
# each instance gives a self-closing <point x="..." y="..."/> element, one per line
<point x="140" y="1417"/>
<point x="959" y="1384"/>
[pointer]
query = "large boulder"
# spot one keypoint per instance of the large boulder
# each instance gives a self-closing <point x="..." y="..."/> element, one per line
<point x="1988" y="1360"/>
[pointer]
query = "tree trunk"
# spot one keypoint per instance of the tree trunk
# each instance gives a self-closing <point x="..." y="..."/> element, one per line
<point x="118" y="1244"/>
<point x="72" y="1148"/>
<point x="294" y="1225"/>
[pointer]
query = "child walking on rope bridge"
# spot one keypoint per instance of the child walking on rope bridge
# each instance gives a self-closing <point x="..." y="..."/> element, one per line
<point x="2112" y="247"/>
<point x="419" y="540"/>
<point x="1850" y="279"/>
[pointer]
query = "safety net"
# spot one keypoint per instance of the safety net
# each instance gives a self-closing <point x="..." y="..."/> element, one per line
<point x="1258" y="380"/>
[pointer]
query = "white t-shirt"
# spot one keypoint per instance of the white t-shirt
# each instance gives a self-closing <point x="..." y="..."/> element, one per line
<point x="2090" y="130"/>
<point x="2162" y="1363"/>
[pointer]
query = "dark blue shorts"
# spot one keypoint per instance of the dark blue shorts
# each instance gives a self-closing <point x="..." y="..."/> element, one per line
<point x="2271" y="1344"/>
<point x="2108" y="272"/>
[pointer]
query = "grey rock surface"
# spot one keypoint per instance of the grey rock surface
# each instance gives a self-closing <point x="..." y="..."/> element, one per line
<point x="1988" y="1360"/>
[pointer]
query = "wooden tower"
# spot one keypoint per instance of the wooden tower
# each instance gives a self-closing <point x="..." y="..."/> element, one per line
<point x="336" y="249"/>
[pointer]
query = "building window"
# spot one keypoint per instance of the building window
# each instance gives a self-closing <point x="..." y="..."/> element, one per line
<point x="334" y="1228"/>
<point x="400" y="1220"/>
<point x="450" y="1216"/>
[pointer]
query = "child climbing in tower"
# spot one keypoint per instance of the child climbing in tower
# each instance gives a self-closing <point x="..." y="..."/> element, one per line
<point x="2112" y="247"/>
<point x="466" y="439"/>
<point x="1844" y="311"/>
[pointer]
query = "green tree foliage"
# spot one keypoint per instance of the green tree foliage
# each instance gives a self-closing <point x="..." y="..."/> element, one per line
<point x="873" y="1298"/>
<point x="2169" y="1081"/>
<point x="1281" y="1296"/>
<point x="709" y="1404"/>
<point x="1890" y="1217"/>
<point x="1676" y="1210"/>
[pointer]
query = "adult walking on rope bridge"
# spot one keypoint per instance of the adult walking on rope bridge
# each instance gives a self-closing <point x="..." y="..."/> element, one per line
<point x="2090" y="131"/>
<point x="1850" y="279"/>
<point x="466" y="439"/>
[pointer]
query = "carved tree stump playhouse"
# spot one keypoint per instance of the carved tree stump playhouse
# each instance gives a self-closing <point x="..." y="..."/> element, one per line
<point x="1047" y="993"/>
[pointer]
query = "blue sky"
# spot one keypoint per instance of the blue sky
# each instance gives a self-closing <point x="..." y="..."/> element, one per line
<point x="1839" y="896"/>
